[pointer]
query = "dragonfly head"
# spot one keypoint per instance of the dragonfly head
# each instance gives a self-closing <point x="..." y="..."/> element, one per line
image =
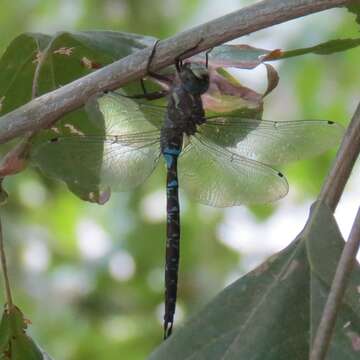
<point x="195" y="78"/>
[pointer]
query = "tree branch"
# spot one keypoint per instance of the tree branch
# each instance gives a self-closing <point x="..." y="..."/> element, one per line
<point x="46" y="109"/>
<point x="338" y="287"/>
<point x="345" y="159"/>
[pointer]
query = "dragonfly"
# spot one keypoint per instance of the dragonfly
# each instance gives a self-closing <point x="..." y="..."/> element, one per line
<point x="218" y="160"/>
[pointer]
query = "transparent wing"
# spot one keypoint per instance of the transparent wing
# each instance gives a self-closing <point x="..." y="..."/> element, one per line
<point x="273" y="142"/>
<point x="118" y="114"/>
<point x="218" y="177"/>
<point x="121" y="154"/>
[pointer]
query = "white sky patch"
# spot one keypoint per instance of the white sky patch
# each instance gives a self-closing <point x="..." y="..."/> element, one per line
<point x="92" y="240"/>
<point x="122" y="266"/>
<point x="116" y="10"/>
<point x="255" y="79"/>
<point x="210" y="9"/>
<point x="349" y="204"/>
<point x="346" y="211"/>
<point x="153" y="206"/>
<point x="35" y="256"/>
<point x="70" y="283"/>
<point x="32" y="193"/>
<point x="172" y="8"/>
<point x="300" y="31"/>
<point x="68" y="12"/>
<point x="242" y="232"/>
<point x="245" y="233"/>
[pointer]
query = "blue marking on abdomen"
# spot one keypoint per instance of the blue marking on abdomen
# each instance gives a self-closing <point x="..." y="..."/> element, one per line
<point x="169" y="160"/>
<point x="169" y="155"/>
<point x="171" y="151"/>
<point x="172" y="184"/>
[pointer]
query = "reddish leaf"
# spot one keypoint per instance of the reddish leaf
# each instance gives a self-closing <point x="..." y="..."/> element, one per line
<point x="226" y="94"/>
<point x="239" y="56"/>
<point x="15" y="160"/>
<point x="272" y="77"/>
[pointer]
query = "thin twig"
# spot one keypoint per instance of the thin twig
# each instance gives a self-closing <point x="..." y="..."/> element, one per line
<point x="346" y="263"/>
<point x="330" y="194"/>
<point x="345" y="159"/>
<point x="46" y="109"/>
<point x="4" y="271"/>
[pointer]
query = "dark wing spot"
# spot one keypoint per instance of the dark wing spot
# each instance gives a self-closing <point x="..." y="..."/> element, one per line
<point x="280" y="174"/>
<point x="54" y="140"/>
<point x="331" y="123"/>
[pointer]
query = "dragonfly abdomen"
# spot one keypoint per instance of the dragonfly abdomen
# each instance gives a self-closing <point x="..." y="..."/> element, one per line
<point x="173" y="237"/>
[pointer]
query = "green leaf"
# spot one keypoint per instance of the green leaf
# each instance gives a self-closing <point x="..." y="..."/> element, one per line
<point x="23" y="347"/>
<point x="71" y="55"/>
<point x="354" y="7"/>
<point x="4" y="332"/>
<point x="18" y="65"/>
<point x="64" y="57"/>
<point x="61" y="59"/>
<point x="15" y="344"/>
<point x="326" y="48"/>
<point x="272" y="313"/>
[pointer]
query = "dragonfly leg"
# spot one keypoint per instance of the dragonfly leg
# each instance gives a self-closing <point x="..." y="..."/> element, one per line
<point x="185" y="54"/>
<point x="148" y="96"/>
<point x="207" y="57"/>
<point x="156" y="94"/>
<point x="150" y="59"/>
<point x="154" y="74"/>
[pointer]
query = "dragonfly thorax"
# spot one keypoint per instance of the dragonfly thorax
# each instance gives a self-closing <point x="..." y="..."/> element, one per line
<point x="185" y="110"/>
<point x="194" y="78"/>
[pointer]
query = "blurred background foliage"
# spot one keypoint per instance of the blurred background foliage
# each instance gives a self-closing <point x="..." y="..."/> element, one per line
<point x="90" y="277"/>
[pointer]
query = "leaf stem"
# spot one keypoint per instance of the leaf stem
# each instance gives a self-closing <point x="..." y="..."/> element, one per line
<point x="4" y="271"/>
<point x="327" y="323"/>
